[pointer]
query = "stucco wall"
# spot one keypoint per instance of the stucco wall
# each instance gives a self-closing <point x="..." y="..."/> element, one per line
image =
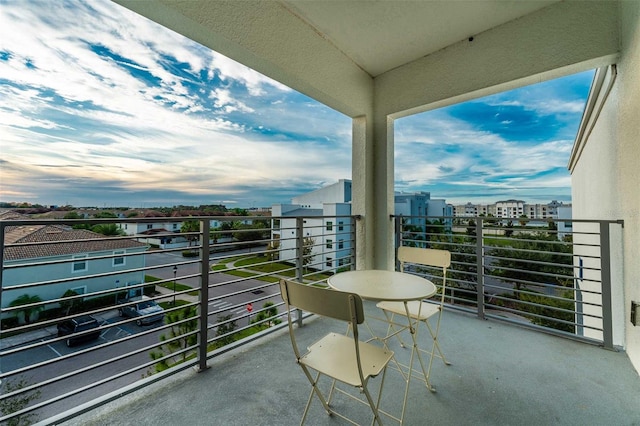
<point x="628" y="156"/>
<point x="605" y="178"/>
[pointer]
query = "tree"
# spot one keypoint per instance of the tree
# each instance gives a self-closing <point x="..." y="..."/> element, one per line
<point x="72" y="215"/>
<point x="533" y="258"/>
<point x="509" y="231"/>
<point x="471" y="228"/>
<point x="67" y="305"/>
<point x="18" y="402"/>
<point x="183" y="324"/>
<point x="27" y="311"/>
<point x="307" y="249"/>
<point x="225" y="331"/>
<point x="254" y="232"/>
<point x="463" y="273"/>
<point x="523" y="220"/>
<point x="109" y="229"/>
<point x="269" y="311"/>
<point x="189" y="227"/>
<point x="272" y="250"/>
<point x="105" y="215"/>
<point x="411" y="234"/>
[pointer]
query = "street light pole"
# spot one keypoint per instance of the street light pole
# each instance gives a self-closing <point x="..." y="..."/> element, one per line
<point x="175" y="270"/>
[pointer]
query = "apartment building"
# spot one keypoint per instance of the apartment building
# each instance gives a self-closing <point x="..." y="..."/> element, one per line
<point x="331" y="231"/>
<point x="511" y="209"/>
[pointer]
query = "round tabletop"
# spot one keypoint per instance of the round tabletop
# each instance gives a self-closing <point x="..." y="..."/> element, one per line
<point x="383" y="285"/>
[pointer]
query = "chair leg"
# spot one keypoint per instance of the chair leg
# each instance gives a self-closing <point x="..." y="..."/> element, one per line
<point x="436" y="345"/>
<point x="391" y="330"/>
<point x="314" y="389"/>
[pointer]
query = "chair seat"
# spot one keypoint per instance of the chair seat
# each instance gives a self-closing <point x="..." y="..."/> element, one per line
<point x="335" y="356"/>
<point x="417" y="309"/>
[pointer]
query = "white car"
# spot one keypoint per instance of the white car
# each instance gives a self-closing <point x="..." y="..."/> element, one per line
<point x="145" y="310"/>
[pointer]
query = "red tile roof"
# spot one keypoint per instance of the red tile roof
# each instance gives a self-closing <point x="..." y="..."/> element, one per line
<point x="60" y="236"/>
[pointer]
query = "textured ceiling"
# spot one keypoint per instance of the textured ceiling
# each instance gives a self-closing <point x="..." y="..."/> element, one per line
<point x="382" y="35"/>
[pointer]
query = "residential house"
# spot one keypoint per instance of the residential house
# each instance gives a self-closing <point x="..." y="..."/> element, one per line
<point x="77" y="258"/>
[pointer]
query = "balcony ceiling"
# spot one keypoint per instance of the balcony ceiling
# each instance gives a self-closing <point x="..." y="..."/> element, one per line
<point x="392" y="54"/>
<point x="379" y="36"/>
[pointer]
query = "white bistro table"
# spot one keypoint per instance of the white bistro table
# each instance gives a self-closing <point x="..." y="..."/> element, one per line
<point x="382" y="285"/>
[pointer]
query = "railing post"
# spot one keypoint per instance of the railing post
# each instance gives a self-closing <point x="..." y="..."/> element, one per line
<point x="398" y="230"/>
<point x="2" y="228"/>
<point x="204" y="293"/>
<point x="299" y="259"/>
<point x="480" y="267"/>
<point x="605" y="270"/>
<point x="352" y="237"/>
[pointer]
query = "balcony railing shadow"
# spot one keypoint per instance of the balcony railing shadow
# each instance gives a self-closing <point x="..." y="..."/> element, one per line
<point x="500" y="375"/>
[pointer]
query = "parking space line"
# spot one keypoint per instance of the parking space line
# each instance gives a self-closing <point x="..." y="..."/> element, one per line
<point x="54" y="350"/>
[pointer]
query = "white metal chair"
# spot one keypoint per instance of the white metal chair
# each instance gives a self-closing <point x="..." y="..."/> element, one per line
<point x="340" y="357"/>
<point x="420" y="310"/>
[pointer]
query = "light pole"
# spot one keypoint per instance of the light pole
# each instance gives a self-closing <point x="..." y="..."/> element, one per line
<point x="175" y="271"/>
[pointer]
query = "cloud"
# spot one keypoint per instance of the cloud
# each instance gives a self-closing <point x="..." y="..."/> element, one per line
<point x="102" y="106"/>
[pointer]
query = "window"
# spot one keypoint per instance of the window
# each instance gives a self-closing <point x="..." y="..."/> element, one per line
<point x="78" y="264"/>
<point x="118" y="259"/>
<point x="340" y="244"/>
<point x="340" y="226"/>
<point x="79" y="290"/>
<point x="149" y="225"/>
<point x="175" y="226"/>
<point x="329" y="262"/>
<point x="276" y="224"/>
<point x="329" y="226"/>
<point x="329" y="244"/>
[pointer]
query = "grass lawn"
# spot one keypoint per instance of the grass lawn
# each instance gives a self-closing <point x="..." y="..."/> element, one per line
<point x="170" y="286"/>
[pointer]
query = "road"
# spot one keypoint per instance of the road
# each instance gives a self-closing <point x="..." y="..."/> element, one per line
<point x="241" y="292"/>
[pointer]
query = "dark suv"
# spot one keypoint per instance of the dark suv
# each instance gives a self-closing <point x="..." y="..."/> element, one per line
<point x="78" y="325"/>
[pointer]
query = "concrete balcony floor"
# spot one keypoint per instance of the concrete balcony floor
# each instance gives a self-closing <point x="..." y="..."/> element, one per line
<point x="500" y="375"/>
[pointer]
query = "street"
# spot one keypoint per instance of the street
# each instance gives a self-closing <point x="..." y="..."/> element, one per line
<point x="95" y="363"/>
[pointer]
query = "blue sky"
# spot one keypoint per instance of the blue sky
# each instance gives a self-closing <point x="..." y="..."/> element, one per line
<point x="101" y="107"/>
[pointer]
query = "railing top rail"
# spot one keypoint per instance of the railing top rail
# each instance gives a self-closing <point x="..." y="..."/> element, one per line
<point x="71" y="222"/>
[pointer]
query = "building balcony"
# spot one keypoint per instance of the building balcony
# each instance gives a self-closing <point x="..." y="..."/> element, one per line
<point x="500" y="375"/>
<point x="530" y="345"/>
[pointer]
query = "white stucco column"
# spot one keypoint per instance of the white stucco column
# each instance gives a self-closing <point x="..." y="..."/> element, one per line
<point x="373" y="183"/>
<point x="362" y="187"/>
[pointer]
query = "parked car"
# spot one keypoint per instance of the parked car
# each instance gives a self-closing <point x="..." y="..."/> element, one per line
<point x="145" y="310"/>
<point x="78" y="325"/>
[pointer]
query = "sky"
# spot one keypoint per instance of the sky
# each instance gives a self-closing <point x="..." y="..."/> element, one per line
<point x="102" y="107"/>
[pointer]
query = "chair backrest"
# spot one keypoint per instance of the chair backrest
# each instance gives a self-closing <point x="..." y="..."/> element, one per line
<point x="424" y="256"/>
<point x="323" y="301"/>
<point x="427" y="257"/>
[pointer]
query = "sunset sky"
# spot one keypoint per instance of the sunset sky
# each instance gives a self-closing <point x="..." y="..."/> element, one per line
<point x="102" y="107"/>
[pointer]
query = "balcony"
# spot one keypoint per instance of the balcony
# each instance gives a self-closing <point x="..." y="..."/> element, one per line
<point x="504" y="370"/>
<point x="499" y="375"/>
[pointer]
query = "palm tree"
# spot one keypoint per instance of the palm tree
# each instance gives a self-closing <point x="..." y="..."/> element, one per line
<point x="189" y="226"/>
<point x="27" y="311"/>
<point x="108" y="229"/>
